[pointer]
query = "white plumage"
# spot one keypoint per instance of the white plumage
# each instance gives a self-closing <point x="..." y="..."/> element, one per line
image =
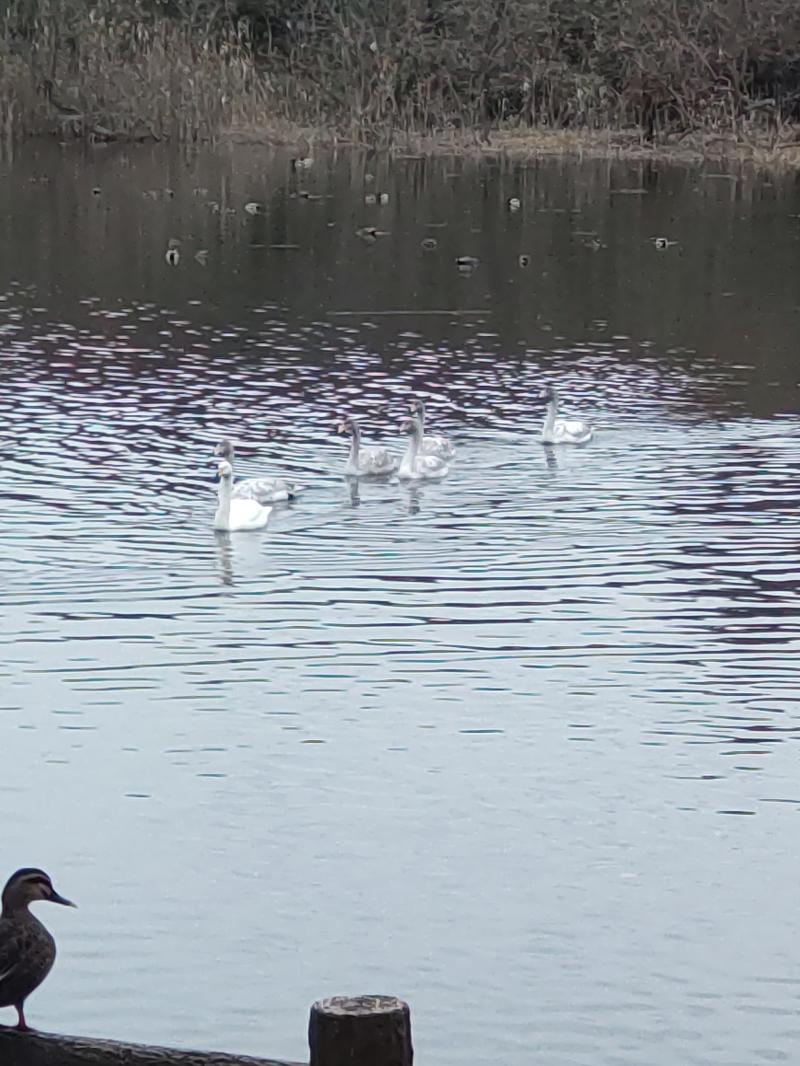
<point x="415" y="466"/>
<point x="236" y="514"/>
<point x="430" y="444"/>
<point x="562" y="430"/>
<point x="262" y="489"/>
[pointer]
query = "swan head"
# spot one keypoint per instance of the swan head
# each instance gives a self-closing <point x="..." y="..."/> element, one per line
<point x="348" y="426"/>
<point x="224" y="450"/>
<point x="417" y="407"/>
<point x="548" y="394"/>
<point x="410" y="426"/>
<point x="224" y="470"/>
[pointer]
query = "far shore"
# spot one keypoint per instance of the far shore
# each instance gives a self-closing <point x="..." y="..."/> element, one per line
<point x="530" y="143"/>
<point x="526" y="79"/>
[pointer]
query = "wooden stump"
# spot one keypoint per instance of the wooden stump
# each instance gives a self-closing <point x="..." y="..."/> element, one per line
<point x="360" y="1031"/>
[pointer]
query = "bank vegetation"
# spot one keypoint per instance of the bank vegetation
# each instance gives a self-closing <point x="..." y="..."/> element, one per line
<point x="389" y="73"/>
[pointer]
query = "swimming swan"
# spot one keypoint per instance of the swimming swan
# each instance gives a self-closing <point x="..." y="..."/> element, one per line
<point x="431" y="445"/>
<point x="232" y="513"/>
<point x="262" y="489"/>
<point x="562" y="430"/>
<point x="414" y="466"/>
<point x="365" y="462"/>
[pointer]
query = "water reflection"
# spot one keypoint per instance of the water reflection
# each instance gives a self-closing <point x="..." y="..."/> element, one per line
<point x="224" y="557"/>
<point x="553" y="676"/>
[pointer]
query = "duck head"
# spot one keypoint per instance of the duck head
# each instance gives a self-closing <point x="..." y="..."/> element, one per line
<point x="27" y="886"/>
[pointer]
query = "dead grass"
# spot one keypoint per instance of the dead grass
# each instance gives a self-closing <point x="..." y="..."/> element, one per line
<point x="522" y="144"/>
<point x="148" y="80"/>
<point x="136" y="78"/>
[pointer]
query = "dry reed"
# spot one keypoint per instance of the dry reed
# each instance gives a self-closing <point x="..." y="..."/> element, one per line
<point x="691" y="74"/>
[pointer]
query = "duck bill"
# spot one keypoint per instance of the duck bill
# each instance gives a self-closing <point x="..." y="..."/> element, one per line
<point x="55" y="898"/>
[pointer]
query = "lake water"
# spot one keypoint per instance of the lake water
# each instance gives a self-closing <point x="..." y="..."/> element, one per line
<point x="516" y="746"/>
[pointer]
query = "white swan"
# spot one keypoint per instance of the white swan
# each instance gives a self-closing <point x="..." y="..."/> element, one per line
<point x="414" y="466"/>
<point x="365" y="462"/>
<point x="431" y="445"/>
<point x="261" y="489"/>
<point x="562" y="430"/>
<point x="236" y="514"/>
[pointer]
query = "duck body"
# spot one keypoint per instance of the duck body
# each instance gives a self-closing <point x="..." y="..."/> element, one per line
<point x="236" y="514"/>
<point x="365" y="462"/>
<point x="562" y="430"/>
<point x="27" y="950"/>
<point x="431" y="444"/>
<point x="263" y="490"/>
<point x="27" y="954"/>
<point x="415" y="465"/>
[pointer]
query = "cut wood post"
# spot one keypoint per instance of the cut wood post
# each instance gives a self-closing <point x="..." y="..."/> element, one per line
<point x="360" y="1031"/>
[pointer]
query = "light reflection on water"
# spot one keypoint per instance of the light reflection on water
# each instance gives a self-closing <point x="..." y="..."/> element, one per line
<point x="479" y="743"/>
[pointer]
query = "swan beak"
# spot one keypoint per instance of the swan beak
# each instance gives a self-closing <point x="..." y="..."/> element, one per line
<point x="341" y="428"/>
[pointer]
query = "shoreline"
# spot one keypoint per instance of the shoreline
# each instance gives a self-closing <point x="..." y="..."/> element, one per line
<point x="522" y="144"/>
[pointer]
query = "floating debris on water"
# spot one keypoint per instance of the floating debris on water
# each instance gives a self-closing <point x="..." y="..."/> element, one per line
<point x="370" y="234"/>
<point x="467" y="263"/>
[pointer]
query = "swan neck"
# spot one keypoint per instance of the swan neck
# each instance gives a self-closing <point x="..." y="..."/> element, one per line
<point x="550" y="415"/>
<point x="410" y="457"/>
<point x="224" y="491"/>
<point x="355" y="444"/>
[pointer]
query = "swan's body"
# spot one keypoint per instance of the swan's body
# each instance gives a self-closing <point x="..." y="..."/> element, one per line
<point x="263" y="490"/>
<point x="430" y="445"/>
<point x="414" y="465"/>
<point x="562" y="430"/>
<point x="366" y="462"/>
<point x="233" y="514"/>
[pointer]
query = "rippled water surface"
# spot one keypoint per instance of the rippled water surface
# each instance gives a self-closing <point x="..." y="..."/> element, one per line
<point x="516" y="746"/>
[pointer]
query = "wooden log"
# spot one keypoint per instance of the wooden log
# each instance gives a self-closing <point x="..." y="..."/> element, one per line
<point x="360" y="1031"/>
<point x="51" y="1049"/>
